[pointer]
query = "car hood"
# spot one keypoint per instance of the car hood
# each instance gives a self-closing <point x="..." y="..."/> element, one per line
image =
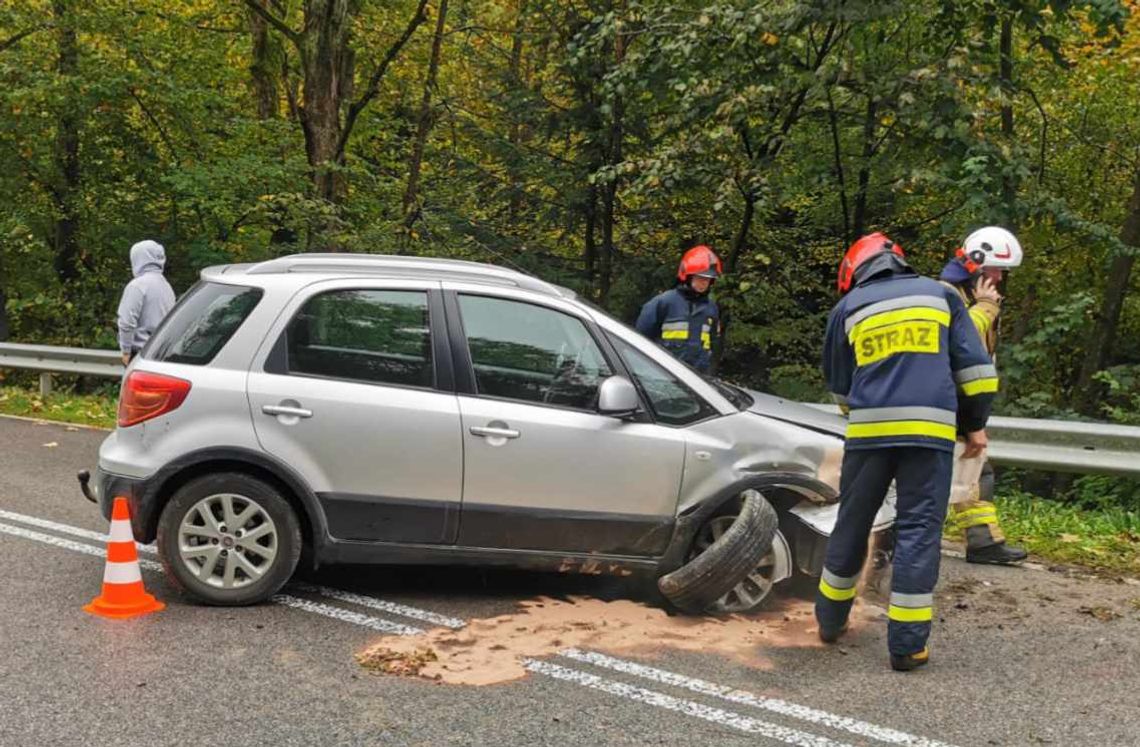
<point x="797" y="413"/>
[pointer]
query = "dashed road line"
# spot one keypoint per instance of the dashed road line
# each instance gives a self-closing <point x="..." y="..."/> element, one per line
<point x="403" y="610"/>
<point x="688" y="707"/>
<point x="741" y="697"/>
<point x="348" y="616"/>
<point x="67" y="544"/>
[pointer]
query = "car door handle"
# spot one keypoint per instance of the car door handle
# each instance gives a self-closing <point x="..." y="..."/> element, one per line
<point x="489" y="432"/>
<point x="296" y="412"/>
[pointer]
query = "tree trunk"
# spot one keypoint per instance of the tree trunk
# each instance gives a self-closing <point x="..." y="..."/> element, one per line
<point x="65" y="191"/>
<point x="328" y="64"/>
<point x="741" y="242"/>
<point x="263" y="69"/>
<point x="609" y="193"/>
<point x="516" y="127"/>
<point x="590" y="246"/>
<point x="1099" y="350"/>
<point x="426" y="120"/>
<point x="859" y="223"/>
<point x="1005" y="74"/>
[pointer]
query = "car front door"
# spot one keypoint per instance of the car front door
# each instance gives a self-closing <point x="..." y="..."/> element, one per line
<point x="353" y="393"/>
<point x="543" y="469"/>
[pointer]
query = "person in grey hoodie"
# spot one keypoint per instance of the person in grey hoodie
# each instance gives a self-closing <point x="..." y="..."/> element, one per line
<point x="146" y="299"/>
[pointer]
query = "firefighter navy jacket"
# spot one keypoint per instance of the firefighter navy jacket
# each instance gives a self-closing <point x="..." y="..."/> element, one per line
<point x="683" y="323"/>
<point x="904" y="359"/>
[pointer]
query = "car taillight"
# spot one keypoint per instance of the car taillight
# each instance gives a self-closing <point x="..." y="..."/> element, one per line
<point x="148" y="395"/>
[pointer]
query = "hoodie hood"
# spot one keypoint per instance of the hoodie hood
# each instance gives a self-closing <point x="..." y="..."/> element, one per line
<point x="954" y="273"/>
<point x="147" y="256"/>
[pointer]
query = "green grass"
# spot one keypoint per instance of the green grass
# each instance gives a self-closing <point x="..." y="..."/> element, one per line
<point x="1105" y="539"/>
<point x="62" y="406"/>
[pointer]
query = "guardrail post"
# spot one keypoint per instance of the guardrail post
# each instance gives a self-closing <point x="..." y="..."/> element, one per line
<point x="45" y="384"/>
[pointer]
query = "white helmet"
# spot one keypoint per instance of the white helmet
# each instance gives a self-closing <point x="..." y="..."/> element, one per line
<point x="992" y="246"/>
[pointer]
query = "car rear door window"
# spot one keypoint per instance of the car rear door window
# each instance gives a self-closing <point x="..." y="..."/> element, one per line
<point x="376" y="336"/>
<point x="532" y="353"/>
<point x="201" y="323"/>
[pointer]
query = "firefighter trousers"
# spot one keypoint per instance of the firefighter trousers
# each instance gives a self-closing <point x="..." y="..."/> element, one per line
<point x="922" y="478"/>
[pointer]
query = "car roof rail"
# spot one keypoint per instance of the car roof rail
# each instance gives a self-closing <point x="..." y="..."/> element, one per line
<point x="390" y="265"/>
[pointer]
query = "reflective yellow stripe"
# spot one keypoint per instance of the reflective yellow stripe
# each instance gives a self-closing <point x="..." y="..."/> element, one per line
<point x="912" y="314"/>
<point x="674" y="334"/>
<point x="835" y="595"/>
<point x="975" y="517"/>
<point x="910" y="614"/>
<point x="979" y="386"/>
<point x="902" y="428"/>
<point x="976" y="521"/>
<point x="981" y="320"/>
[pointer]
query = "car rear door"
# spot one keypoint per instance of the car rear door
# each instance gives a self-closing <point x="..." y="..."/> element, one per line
<point x="354" y="392"/>
<point x="543" y="469"/>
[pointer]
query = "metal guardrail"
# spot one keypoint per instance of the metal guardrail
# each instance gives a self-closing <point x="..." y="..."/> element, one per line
<point x="49" y="359"/>
<point x="1048" y="445"/>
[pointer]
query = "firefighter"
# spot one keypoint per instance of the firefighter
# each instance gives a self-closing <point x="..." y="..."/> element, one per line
<point x="683" y="320"/>
<point x="975" y="273"/>
<point x="903" y="359"/>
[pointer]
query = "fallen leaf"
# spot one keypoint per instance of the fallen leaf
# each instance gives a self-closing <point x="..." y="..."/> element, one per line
<point x="1065" y="537"/>
<point x="51" y="444"/>
<point x="1104" y="614"/>
<point x="393" y="662"/>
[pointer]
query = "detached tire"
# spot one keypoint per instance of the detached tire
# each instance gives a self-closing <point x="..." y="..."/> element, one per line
<point x="228" y="539"/>
<point x="706" y="578"/>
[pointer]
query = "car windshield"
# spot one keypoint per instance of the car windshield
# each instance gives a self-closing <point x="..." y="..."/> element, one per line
<point x="734" y="394"/>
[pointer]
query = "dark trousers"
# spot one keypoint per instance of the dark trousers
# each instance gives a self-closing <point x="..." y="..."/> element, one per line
<point x="922" y="478"/>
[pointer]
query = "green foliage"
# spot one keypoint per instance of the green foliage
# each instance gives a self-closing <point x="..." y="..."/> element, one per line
<point x="590" y="143"/>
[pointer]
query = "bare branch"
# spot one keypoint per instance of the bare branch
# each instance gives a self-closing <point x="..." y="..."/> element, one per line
<point x="378" y="75"/>
<point x="14" y="40"/>
<point x="275" y="22"/>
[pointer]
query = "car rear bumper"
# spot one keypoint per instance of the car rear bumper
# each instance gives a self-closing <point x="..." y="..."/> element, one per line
<point x="104" y="487"/>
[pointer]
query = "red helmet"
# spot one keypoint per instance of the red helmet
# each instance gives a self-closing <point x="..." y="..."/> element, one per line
<point x="862" y="250"/>
<point x="700" y="261"/>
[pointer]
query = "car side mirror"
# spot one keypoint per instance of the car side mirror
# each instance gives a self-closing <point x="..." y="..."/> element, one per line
<point x="617" y="397"/>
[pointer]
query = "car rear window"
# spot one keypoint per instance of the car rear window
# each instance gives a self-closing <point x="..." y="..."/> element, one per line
<point x="202" y="322"/>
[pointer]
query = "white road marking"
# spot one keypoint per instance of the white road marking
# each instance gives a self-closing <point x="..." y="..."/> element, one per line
<point x="325" y="591"/>
<point x="687" y="707"/>
<point x="36" y="521"/>
<point x="67" y="544"/>
<point x="348" y="616"/>
<point x="384" y="606"/>
<point x="365" y="621"/>
<point x="782" y="707"/>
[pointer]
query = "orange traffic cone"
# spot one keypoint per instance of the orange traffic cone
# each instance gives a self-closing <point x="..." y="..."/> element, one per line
<point x="123" y="593"/>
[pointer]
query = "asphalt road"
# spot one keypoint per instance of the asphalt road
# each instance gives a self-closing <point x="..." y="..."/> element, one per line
<point x="1015" y="659"/>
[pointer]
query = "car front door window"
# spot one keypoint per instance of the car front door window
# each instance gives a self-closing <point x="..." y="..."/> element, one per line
<point x="531" y="353"/>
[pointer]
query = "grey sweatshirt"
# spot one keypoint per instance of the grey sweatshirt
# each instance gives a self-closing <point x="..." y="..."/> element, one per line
<point x="146" y="299"/>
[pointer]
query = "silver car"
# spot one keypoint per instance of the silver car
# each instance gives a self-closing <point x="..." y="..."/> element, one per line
<point x="396" y="410"/>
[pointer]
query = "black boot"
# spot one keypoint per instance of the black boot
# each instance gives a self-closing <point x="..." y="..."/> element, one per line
<point x="910" y="661"/>
<point x="997" y="554"/>
<point x="830" y="635"/>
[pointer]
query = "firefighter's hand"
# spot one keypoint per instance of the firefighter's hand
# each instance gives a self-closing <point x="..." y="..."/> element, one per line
<point x="976" y="443"/>
<point x="985" y="290"/>
<point x="126" y="358"/>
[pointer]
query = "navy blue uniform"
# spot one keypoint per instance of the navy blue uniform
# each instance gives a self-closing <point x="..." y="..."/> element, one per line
<point x="904" y="359"/>
<point x="683" y="323"/>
